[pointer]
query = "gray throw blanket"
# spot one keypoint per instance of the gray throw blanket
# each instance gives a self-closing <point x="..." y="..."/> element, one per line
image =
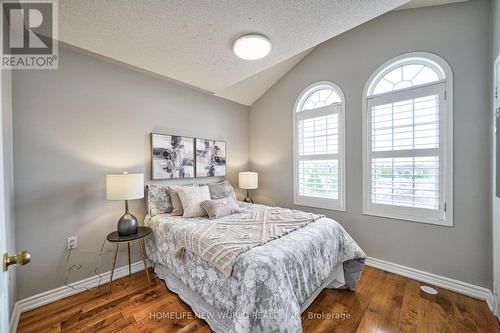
<point x="220" y="242"/>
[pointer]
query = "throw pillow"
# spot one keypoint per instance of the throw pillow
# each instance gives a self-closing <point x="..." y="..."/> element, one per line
<point x="220" y="207"/>
<point x="191" y="199"/>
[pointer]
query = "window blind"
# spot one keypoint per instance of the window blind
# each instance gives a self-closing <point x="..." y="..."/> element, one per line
<point x="318" y="151"/>
<point x="318" y="147"/>
<point x="405" y="153"/>
<point x="319" y="135"/>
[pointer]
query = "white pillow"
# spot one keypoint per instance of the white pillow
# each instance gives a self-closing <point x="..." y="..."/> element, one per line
<point x="177" y="209"/>
<point x="191" y="199"/>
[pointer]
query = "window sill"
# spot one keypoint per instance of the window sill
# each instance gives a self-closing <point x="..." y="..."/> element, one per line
<point x="313" y="203"/>
<point x="410" y="218"/>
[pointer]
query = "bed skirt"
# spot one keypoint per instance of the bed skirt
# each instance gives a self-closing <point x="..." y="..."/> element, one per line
<point x="345" y="276"/>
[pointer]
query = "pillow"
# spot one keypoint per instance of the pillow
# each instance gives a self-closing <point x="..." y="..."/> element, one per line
<point x="220" y="207"/>
<point x="176" y="201"/>
<point x="191" y="199"/>
<point x="158" y="200"/>
<point x="221" y="190"/>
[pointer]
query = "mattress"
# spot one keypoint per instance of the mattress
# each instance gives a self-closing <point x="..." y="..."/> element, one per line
<point x="270" y="285"/>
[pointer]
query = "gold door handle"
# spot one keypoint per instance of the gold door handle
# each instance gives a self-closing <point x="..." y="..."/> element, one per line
<point x="22" y="258"/>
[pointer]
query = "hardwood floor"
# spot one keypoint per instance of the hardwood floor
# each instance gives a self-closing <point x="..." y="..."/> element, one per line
<point x="383" y="302"/>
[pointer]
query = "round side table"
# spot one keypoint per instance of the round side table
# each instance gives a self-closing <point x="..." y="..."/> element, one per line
<point x="113" y="237"/>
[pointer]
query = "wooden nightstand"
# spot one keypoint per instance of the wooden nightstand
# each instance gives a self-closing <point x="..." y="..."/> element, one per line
<point x="115" y="238"/>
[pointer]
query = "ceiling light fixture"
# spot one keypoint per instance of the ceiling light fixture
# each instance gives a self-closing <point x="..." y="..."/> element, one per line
<point x="252" y="47"/>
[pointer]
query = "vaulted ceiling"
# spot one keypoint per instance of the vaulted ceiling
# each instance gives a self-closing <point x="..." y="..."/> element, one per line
<point x="191" y="41"/>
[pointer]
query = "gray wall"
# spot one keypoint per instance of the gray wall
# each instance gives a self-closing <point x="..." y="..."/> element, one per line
<point x="8" y="178"/>
<point x="459" y="33"/>
<point x="495" y="27"/>
<point x="73" y="125"/>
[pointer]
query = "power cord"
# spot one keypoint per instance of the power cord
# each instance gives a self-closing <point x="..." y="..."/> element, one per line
<point x="74" y="268"/>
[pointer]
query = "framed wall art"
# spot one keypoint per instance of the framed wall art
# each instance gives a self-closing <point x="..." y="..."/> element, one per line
<point x="210" y="158"/>
<point x="172" y="156"/>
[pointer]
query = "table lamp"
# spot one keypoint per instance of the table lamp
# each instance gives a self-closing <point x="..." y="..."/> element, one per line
<point x="125" y="186"/>
<point x="248" y="181"/>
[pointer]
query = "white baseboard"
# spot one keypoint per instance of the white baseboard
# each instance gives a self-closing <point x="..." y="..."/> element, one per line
<point x="53" y="295"/>
<point x="439" y="281"/>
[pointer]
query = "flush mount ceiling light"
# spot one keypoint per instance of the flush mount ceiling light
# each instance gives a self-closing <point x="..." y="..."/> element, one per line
<point x="252" y="47"/>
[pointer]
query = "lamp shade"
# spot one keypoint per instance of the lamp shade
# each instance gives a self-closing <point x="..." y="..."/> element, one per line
<point x="248" y="180"/>
<point x="124" y="186"/>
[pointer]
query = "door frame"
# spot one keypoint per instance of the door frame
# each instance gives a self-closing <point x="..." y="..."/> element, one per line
<point x="4" y="276"/>
<point x="495" y="224"/>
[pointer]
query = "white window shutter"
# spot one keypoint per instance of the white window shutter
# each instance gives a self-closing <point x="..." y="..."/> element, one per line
<point x="407" y="164"/>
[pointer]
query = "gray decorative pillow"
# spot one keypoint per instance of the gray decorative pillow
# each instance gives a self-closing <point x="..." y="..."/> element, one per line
<point x="177" y="209"/>
<point x="221" y="190"/>
<point x="220" y="207"/>
<point x="158" y="200"/>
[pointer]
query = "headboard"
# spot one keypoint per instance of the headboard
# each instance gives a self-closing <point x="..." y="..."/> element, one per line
<point x="158" y="199"/>
<point x="158" y="196"/>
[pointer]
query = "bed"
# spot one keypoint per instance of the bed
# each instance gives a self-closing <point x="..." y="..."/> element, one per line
<point x="270" y="285"/>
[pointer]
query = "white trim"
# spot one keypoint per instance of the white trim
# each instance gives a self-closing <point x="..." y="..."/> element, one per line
<point x="405" y="89"/>
<point x="330" y="204"/>
<point x="423" y="58"/>
<point x="318" y="202"/>
<point x="404" y="94"/>
<point x="445" y="88"/>
<point x="4" y="238"/>
<point x="318" y="112"/>
<point x="14" y="319"/>
<point x="439" y="281"/>
<point x="319" y="157"/>
<point x="389" y="212"/>
<point x="406" y="153"/>
<point x="53" y="295"/>
<point x="495" y="224"/>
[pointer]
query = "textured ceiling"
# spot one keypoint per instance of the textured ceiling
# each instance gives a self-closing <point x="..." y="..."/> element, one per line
<point x="190" y="41"/>
<point x="249" y="89"/>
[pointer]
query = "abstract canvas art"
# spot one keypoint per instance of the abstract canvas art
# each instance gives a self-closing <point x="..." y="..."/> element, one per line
<point x="173" y="156"/>
<point x="210" y="158"/>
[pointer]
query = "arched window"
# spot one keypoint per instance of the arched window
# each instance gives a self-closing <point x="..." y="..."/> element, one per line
<point x="408" y="134"/>
<point x="319" y="169"/>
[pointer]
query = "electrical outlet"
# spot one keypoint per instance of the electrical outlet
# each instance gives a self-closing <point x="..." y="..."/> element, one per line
<point x="72" y="242"/>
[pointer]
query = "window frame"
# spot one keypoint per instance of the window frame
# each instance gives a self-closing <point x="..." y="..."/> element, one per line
<point x="443" y="88"/>
<point x="317" y="202"/>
